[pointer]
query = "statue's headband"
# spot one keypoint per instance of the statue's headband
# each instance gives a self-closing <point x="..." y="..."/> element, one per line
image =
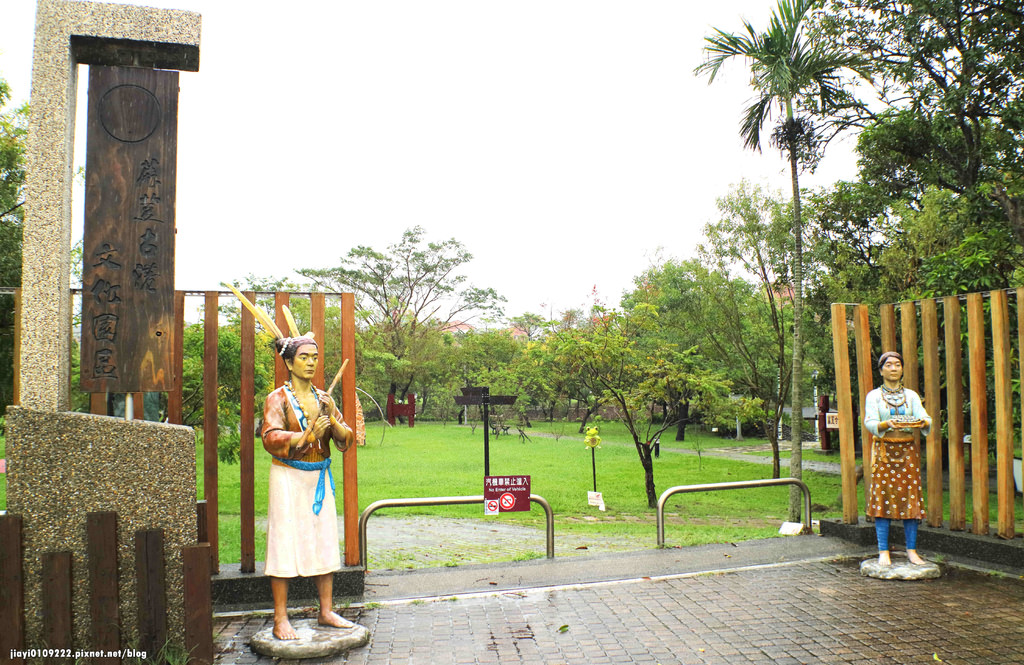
<point x="888" y="354"/>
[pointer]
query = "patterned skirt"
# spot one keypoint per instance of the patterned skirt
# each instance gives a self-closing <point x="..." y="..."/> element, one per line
<point x="895" y="477"/>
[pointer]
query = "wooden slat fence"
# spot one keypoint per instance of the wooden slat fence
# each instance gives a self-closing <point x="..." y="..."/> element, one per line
<point x="932" y="342"/>
<point x="211" y="301"/>
<point x="106" y="626"/>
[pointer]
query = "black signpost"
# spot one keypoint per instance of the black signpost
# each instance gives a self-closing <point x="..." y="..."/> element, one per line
<point x="482" y="395"/>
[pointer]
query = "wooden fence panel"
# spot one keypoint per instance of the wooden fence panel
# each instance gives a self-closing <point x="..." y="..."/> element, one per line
<point x="56" y="595"/>
<point x="246" y="453"/>
<point x="888" y="319"/>
<point x="280" y="371"/>
<point x="908" y="328"/>
<point x="1020" y="356"/>
<point x="932" y="404"/>
<point x="865" y="383"/>
<point x="198" y="605"/>
<point x="1004" y="413"/>
<point x="151" y="588"/>
<point x="174" y="397"/>
<point x="348" y="405"/>
<point x="317" y="305"/>
<point x="12" y="588"/>
<point x="979" y="412"/>
<point x="211" y="331"/>
<point x="955" y="412"/>
<point x="848" y="462"/>
<point x="101" y="537"/>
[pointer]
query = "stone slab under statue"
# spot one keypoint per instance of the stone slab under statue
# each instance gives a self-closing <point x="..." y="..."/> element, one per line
<point x="900" y="569"/>
<point x="314" y="640"/>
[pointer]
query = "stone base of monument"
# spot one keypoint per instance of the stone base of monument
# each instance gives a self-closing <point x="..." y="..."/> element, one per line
<point x="900" y="569"/>
<point x="315" y="641"/>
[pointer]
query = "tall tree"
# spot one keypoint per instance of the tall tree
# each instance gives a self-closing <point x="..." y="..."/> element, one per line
<point x="13" y="134"/>
<point x="951" y="76"/>
<point x="790" y="70"/>
<point x="407" y="294"/>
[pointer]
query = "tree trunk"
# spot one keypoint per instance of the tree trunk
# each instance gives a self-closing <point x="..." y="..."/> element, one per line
<point x="586" y="417"/>
<point x="644" y="451"/>
<point x="797" y="419"/>
<point x="771" y="432"/>
<point x="684" y="417"/>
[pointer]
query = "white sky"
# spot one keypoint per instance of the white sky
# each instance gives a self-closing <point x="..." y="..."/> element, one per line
<point x="562" y="141"/>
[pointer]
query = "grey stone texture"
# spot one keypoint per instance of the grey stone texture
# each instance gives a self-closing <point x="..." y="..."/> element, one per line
<point x="62" y="466"/>
<point x="314" y="641"/>
<point x="899" y="570"/>
<point x="46" y="315"/>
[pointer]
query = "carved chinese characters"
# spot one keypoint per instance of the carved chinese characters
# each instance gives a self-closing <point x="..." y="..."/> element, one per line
<point x="128" y="277"/>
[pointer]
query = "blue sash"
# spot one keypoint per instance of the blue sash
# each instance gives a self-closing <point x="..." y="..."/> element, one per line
<point x="324" y="467"/>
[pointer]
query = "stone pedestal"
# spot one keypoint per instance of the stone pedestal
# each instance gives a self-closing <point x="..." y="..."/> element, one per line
<point x="900" y="569"/>
<point x="62" y="466"/>
<point x="315" y="641"/>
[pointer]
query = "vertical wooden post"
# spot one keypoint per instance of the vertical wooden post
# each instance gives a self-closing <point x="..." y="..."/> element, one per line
<point x="101" y="536"/>
<point x="932" y="404"/>
<point x="955" y="412"/>
<point x="198" y="605"/>
<point x="1004" y="412"/>
<point x="1020" y="355"/>
<point x="348" y="405"/>
<point x="174" y="397"/>
<point x="979" y="413"/>
<point x="246" y="453"/>
<point x="841" y="351"/>
<point x="280" y="371"/>
<point x="56" y="595"/>
<point x="211" y="330"/>
<point x="151" y="589"/>
<point x="317" y="305"/>
<point x="12" y="587"/>
<point x="98" y="404"/>
<point x="888" y="318"/>
<point x="862" y="340"/>
<point x="201" y="522"/>
<point x="908" y="328"/>
<point x="16" y="397"/>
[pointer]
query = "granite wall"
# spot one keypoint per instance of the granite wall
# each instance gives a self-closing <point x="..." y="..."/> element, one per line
<point x="61" y="466"/>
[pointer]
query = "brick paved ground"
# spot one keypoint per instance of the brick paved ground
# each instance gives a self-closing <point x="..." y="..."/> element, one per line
<point x="807" y="612"/>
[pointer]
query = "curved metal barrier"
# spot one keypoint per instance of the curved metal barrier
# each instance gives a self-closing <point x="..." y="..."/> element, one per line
<point x="710" y="487"/>
<point x="446" y="501"/>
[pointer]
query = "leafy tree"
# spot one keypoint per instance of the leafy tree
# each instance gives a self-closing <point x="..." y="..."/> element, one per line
<point x="407" y="295"/>
<point x="951" y="77"/>
<point x="635" y="372"/>
<point x="13" y="136"/>
<point x="788" y="68"/>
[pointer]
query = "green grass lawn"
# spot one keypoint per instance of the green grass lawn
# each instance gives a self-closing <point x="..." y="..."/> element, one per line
<point x="447" y="460"/>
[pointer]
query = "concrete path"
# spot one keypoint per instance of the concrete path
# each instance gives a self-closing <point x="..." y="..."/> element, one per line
<point x="780" y="601"/>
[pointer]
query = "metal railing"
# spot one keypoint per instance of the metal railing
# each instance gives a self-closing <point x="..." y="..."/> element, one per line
<point x="710" y="487"/>
<point x="446" y="501"/>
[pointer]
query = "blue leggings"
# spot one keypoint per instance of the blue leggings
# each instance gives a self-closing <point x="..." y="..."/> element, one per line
<point x="882" y="532"/>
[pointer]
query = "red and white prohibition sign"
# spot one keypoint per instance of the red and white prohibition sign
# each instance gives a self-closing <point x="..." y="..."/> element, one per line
<point x="508" y="501"/>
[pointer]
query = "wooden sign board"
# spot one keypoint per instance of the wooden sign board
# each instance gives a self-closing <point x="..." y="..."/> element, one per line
<point x="128" y="251"/>
<point x="832" y="420"/>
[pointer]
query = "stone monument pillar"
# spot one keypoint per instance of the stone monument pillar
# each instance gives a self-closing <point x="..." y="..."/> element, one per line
<point x="64" y="465"/>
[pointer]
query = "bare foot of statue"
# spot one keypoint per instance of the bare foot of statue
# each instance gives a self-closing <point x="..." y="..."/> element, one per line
<point x="330" y="618"/>
<point x="914" y="558"/>
<point x="283" y="630"/>
<point x="883" y="558"/>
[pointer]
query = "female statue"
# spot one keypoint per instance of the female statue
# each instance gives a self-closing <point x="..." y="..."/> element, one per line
<point x="891" y="414"/>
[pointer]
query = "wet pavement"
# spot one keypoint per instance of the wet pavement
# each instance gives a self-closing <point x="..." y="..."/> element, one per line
<point x="785" y="601"/>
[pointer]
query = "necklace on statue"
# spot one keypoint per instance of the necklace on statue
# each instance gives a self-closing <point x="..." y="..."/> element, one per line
<point x="894" y="397"/>
<point x="300" y="402"/>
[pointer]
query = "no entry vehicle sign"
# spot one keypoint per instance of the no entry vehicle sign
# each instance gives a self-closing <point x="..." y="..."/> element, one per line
<point x="505" y="494"/>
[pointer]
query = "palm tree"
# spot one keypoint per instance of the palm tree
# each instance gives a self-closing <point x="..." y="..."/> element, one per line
<point x="787" y="68"/>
